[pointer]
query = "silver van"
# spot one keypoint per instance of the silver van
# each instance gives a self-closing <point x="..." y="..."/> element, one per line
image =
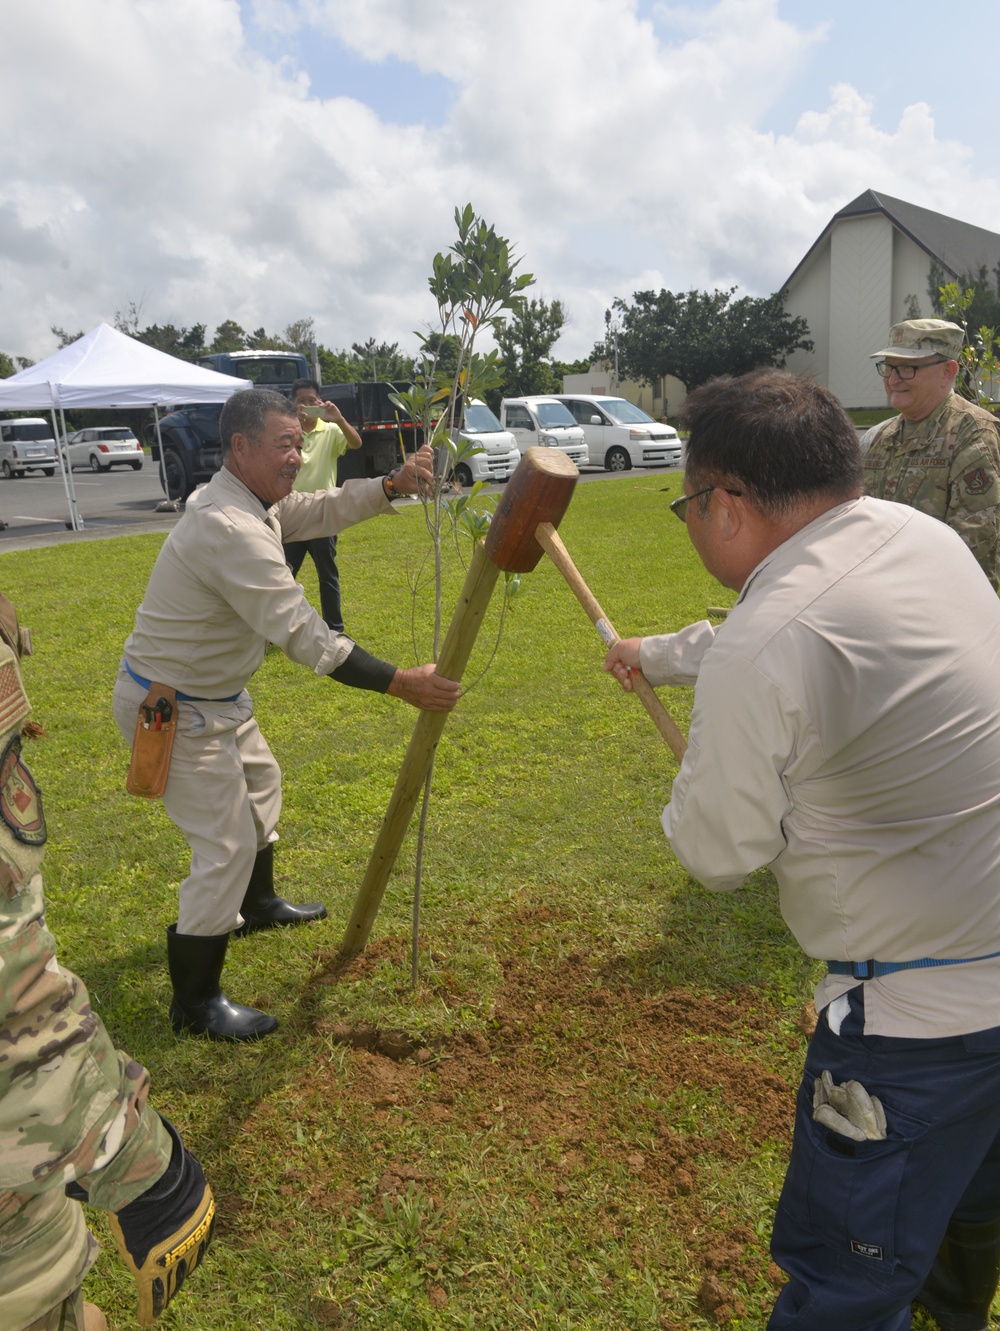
<point x="27" y="445"/>
<point x="620" y="435"/>
<point x="543" y="421"/>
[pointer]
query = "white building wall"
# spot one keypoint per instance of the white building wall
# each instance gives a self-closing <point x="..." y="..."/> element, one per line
<point x="664" y="398"/>
<point x="596" y="380"/>
<point x="861" y="253"/>
<point x="911" y="269"/>
<point x="809" y="299"/>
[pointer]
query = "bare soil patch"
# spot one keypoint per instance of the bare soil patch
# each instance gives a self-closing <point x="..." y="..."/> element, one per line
<point x="538" y="1080"/>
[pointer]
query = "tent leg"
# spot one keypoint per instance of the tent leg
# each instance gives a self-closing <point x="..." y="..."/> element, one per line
<point x="159" y="444"/>
<point x="75" y="520"/>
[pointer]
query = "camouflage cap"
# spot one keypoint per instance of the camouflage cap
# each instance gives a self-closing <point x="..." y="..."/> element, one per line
<point x="915" y="339"/>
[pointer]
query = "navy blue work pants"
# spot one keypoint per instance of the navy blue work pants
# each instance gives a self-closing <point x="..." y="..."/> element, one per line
<point x="859" y="1224"/>
<point x="324" y="555"/>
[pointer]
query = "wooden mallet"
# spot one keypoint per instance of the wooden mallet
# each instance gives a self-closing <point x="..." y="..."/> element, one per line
<point x="520" y="532"/>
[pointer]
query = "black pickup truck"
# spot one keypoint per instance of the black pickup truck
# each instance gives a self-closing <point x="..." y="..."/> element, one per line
<point x="192" y="452"/>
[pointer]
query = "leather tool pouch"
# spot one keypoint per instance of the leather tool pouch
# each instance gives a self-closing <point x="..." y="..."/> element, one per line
<point x="152" y="743"/>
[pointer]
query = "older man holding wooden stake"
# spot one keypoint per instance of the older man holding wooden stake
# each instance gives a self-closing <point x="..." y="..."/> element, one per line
<point x="220" y="591"/>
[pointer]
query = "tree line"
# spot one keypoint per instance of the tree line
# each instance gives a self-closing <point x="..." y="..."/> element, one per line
<point x="698" y="335"/>
<point x="692" y="335"/>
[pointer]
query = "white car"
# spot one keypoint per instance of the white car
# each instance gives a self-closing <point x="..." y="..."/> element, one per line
<point x="620" y="435"/>
<point x="26" y="444"/>
<point x="543" y="422"/>
<point x="105" y="447"/>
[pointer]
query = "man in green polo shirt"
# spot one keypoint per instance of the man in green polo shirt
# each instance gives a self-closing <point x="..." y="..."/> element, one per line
<point x="324" y="439"/>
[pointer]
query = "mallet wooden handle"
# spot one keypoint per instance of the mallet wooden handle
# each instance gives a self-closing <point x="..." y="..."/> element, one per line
<point x="548" y="538"/>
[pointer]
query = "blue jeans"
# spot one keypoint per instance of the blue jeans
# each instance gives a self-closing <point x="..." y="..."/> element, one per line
<point x="859" y="1224"/>
<point x="324" y="555"/>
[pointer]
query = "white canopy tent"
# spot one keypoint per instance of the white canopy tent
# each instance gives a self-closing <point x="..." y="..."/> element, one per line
<point x="105" y="368"/>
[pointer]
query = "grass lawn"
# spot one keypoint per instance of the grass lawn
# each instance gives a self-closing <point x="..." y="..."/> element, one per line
<point x="580" y="1117"/>
<point x="864" y="417"/>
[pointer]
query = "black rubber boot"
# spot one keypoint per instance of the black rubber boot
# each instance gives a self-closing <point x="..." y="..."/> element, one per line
<point x="199" y="1004"/>
<point x="262" y="909"/>
<point x="960" y="1288"/>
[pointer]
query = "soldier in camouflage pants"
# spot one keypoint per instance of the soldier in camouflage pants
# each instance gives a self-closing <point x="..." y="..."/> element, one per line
<point x="74" y="1119"/>
<point x="941" y="454"/>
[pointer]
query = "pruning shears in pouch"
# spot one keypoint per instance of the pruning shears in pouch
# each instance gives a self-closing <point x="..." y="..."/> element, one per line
<point x="159" y="715"/>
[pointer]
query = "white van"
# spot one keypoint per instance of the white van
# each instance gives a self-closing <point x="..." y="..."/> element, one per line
<point x="500" y="454"/>
<point x="26" y="445"/>
<point x="620" y="435"/>
<point x="544" y="422"/>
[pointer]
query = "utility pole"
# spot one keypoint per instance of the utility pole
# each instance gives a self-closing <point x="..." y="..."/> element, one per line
<point x="613" y="325"/>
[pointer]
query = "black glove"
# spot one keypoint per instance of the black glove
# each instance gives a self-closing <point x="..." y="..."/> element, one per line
<point x="163" y="1235"/>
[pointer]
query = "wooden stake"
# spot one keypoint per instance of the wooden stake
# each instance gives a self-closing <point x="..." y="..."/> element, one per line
<point x="459" y="641"/>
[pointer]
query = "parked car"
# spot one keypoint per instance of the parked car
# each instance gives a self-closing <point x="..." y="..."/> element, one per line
<point x="545" y="422"/>
<point x="620" y="435"/>
<point x="499" y="456"/>
<point x="27" y="445"/>
<point x="105" y="447"/>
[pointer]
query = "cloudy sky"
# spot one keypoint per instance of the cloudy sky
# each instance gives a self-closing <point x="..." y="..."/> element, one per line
<point x="270" y="160"/>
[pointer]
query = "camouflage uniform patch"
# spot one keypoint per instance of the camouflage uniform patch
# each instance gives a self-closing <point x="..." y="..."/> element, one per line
<point x="20" y="798"/>
<point x="977" y="482"/>
<point x="947" y="466"/>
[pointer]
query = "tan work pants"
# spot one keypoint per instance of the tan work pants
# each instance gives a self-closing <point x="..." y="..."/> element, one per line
<point x="223" y="793"/>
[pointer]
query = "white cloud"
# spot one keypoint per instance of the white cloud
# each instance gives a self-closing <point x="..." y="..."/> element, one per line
<point x="152" y="153"/>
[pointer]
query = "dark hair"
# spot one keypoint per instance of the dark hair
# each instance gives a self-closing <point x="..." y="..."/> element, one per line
<point x="246" y="411"/>
<point x="301" y="385"/>
<point x="782" y="438"/>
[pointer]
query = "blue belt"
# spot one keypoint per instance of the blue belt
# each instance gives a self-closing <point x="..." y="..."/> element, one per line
<point x="871" y="970"/>
<point x="181" y="697"/>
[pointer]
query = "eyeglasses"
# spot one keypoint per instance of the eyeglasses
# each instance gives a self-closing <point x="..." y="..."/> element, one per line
<point x="905" y="372"/>
<point x="679" y="506"/>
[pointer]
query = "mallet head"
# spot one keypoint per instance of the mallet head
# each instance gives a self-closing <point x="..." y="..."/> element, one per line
<point x="539" y="491"/>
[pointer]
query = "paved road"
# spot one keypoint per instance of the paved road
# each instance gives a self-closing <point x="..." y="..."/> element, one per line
<point x="121" y="502"/>
<point x="115" y="503"/>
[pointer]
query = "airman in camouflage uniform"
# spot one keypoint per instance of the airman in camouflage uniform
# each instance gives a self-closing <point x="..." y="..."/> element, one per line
<point x="74" y="1117"/>
<point x="941" y="454"/>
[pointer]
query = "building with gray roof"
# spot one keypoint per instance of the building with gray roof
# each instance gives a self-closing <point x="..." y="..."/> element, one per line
<point x="868" y="269"/>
